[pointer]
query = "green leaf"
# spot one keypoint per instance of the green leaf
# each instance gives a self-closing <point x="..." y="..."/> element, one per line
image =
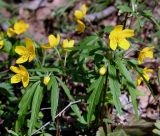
<point x="36" y="103"/>
<point x="45" y="70"/>
<point x="124" y="8"/>
<point x="157" y="124"/>
<point x="26" y="99"/>
<point x="24" y="105"/>
<point x="4" y="4"/>
<point x="7" y="46"/>
<point x="156" y="131"/>
<point x="70" y="97"/>
<point x="130" y="84"/>
<point x="12" y="132"/>
<point x="108" y="29"/>
<point x="94" y="97"/>
<point x="54" y="97"/>
<point x="114" y="87"/>
<point x="88" y="43"/>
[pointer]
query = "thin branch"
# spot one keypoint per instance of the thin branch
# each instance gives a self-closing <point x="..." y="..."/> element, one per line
<point x="100" y="15"/>
<point x="59" y="114"/>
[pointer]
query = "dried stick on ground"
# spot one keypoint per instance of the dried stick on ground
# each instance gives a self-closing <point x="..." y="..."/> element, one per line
<point x="100" y="15"/>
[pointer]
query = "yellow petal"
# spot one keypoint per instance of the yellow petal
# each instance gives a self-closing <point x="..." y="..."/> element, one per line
<point x="25" y="81"/>
<point x="140" y="58"/>
<point x="147" y="70"/>
<point x="80" y="27"/>
<point x="15" y="69"/>
<point x="31" y="49"/>
<point x="124" y="44"/>
<point x="21" y="50"/>
<point x="16" y="78"/>
<point x="1" y="43"/>
<point x="78" y="14"/>
<point x="84" y="9"/>
<point x="118" y="28"/>
<point x="127" y="33"/>
<point x="146" y="52"/>
<point x="139" y="80"/>
<point x="113" y="44"/>
<point x="53" y="41"/>
<point x="25" y="75"/>
<point x="22" y="59"/>
<point x="65" y="43"/>
<point x="10" y="32"/>
<point x="71" y="44"/>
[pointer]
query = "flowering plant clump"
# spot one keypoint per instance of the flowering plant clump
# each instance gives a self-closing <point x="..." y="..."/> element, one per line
<point x="99" y="62"/>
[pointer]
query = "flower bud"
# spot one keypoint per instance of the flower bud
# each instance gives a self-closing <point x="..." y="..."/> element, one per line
<point x="102" y="70"/>
<point x="46" y="80"/>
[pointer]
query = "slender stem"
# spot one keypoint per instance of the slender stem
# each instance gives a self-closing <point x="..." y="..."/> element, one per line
<point x="65" y="59"/>
<point x="59" y="114"/>
<point x="44" y="58"/>
<point x="58" y="53"/>
<point x="155" y="22"/>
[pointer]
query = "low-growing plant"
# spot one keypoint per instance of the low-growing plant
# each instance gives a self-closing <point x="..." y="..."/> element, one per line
<point x="44" y="73"/>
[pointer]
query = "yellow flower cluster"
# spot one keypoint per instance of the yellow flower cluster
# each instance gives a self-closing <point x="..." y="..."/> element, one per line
<point x="79" y="15"/>
<point x="54" y="41"/>
<point x="26" y="54"/>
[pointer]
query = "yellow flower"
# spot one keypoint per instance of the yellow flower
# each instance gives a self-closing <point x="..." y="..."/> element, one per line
<point x="118" y="37"/>
<point x="53" y="41"/>
<point x="1" y="42"/>
<point x="18" y="28"/>
<point x="102" y="71"/>
<point x="145" y="53"/>
<point x="146" y="73"/>
<point x="21" y="75"/>
<point x="80" y="27"/>
<point x="67" y="43"/>
<point x="10" y="32"/>
<point x="79" y="14"/>
<point x="46" y="80"/>
<point x="27" y="53"/>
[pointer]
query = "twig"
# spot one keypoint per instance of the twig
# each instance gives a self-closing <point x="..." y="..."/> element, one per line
<point x="59" y="114"/>
<point x="100" y="15"/>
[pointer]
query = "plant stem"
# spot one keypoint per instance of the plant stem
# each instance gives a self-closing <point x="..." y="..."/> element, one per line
<point x="44" y="58"/>
<point x="65" y="59"/>
<point x="58" y="53"/>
